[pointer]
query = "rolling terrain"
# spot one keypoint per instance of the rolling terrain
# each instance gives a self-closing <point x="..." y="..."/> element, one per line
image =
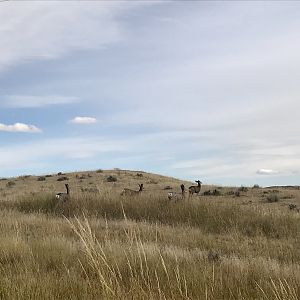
<point x="226" y="243"/>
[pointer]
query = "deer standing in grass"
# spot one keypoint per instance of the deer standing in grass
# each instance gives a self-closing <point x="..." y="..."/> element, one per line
<point x="129" y="192"/>
<point x="64" y="196"/>
<point x="176" y="196"/>
<point x="182" y="191"/>
<point x="195" y="189"/>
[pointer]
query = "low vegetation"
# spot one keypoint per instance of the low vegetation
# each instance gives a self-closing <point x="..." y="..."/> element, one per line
<point x="111" y="178"/>
<point x="104" y="246"/>
<point x="273" y="198"/>
<point x="10" y="184"/>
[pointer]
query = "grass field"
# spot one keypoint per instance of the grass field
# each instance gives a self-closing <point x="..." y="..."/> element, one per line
<point x="242" y="244"/>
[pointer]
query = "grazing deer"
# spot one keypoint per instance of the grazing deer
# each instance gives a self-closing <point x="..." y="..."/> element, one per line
<point x="64" y="196"/>
<point x="195" y="189"/>
<point x="177" y="196"/>
<point x="174" y="196"/>
<point x="129" y="192"/>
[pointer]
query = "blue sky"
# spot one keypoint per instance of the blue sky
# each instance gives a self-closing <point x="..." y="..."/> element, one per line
<point x="206" y="90"/>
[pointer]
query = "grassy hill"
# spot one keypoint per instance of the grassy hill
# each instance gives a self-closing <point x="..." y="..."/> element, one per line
<point x="231" y="243"/>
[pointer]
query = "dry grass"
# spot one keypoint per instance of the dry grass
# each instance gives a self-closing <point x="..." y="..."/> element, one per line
<point x="103" y="246"/>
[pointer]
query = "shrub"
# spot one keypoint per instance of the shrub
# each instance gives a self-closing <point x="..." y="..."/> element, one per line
<point x="243" y="189"/>
<point x="212" y="193"/>
<point x="139" y="175"/>
<point x="213" y="256"/>
<point x="41" y="178"/>
<point x="25" y="177"/>
<point x="255" y="186"/>
<point x="152" y="181"/>
<point x="206" y="193"/>
<point x="230" y="193"/>
<point x="62" y="178"/>
<point x="99" y="171"/>
<point x="273" y="198"/>
<point x="216" y="193"/>
<point x="10" y="184"/>
<point x="168" y="187"/>
<point x="111" y="178"/>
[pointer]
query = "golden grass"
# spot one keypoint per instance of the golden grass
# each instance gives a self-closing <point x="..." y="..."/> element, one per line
<point x="103" y="246"/>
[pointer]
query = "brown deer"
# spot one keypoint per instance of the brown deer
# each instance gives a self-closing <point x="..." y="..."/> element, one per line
<point x="129" y="192"/>
<point x="195" y="189"/>
<point x="176" y="196"/>
<point x="182" y="190"/>
<point x="64" y="196"/>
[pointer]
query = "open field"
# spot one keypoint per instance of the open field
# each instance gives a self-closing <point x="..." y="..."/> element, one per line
<point x="240" y="244"/>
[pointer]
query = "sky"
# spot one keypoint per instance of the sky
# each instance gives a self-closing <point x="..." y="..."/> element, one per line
<point x="190" y="89"/>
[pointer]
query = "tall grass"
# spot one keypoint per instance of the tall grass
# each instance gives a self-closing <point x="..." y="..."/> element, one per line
<point x="109" y="247"/>
<point x="209" y="216"/>
<point x="143" y="271"/>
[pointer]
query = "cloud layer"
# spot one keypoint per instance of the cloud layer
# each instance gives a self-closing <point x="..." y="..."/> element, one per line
<point x="48" y="30"/>
<point x="29" y="101"/>
<point x="198" y="90"/>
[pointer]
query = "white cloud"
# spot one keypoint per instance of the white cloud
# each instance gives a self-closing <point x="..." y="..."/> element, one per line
<point x="19" y="127"/>
<point x="267" y="172"/>
<point x="29" y="101"/>
<point x="84" y="120"/>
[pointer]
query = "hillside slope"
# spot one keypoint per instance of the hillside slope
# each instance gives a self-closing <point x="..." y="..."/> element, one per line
<point x="227" y="243"/>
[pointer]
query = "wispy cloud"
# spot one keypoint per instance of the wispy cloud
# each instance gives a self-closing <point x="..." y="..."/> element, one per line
<point x="30" y="101"/>
<point x="50" y="151"/>
<point x="84" y="120"/>
<point x="19" y="127"/>
<point x="55" y="29"/>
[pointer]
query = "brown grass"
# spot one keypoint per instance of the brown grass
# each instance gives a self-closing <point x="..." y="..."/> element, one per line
<point x="103" y="246"/>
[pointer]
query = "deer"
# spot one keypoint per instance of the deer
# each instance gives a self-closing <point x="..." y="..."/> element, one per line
<point x="195" y="189"/>
<point x="64" y="196"/>
<point x="129" y="192"/>
<point x="176" y="196"/>
<point x="182" y="191"/>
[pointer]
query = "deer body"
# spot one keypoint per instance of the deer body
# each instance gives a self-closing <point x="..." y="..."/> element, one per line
<point x="129" y="192"/>
<point x="182" y="191"/>
<point x="195" y="189"/>
<point x="177" y="196"/>
<point x="64" y="196"/>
